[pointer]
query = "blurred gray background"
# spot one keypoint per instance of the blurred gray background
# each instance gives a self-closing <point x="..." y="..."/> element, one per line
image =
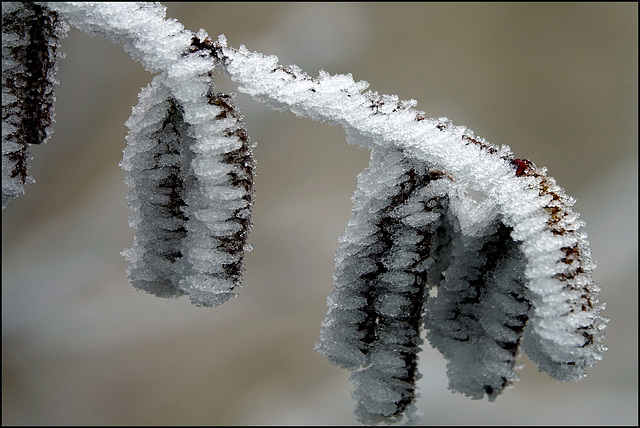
<point x="556" y="82"/>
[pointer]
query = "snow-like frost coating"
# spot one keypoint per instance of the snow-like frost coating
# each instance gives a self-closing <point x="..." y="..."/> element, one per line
<point x="191" y="198"/>
<point x="30" y="51"/>
<point x="531" y="210"/>
<point x="142" y="28"/>
<point x="484" y="276"/>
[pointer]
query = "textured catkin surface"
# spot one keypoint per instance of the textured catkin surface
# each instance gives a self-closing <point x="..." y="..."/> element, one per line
<point x="521" y="238"/>
<point x="72" y="323"/>
<point x="30" y="42"/>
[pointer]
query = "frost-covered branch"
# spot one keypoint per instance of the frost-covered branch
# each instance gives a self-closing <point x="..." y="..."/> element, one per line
<point x="482" y="277"/>
<point x="564" y="322"/>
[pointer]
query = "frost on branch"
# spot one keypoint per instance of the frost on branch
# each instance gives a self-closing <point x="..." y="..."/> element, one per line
<point x="480" y="277"/>
<point x="510" y="271"/>
<point x="141" y="27"/>
<point x="30" y="35"/>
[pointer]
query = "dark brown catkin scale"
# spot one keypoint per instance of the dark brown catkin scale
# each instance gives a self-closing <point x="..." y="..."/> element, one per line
<point x="399" y="334"/>
<point x="373" y="327"/>
<point x="157" y="179"/>
<point x="575" y="266"/>
<point x="242" y="175"/>
<point x="30" y="35"/>
<point x="191" y="195"/>
<point x="478" y="317"/>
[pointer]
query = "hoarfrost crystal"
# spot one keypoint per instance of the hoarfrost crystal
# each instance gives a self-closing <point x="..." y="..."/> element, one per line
<point x="191" y="198"/>
<point x="451" y="238"/>
<point x="530" y="248"/>
<point x="30" y="49"/>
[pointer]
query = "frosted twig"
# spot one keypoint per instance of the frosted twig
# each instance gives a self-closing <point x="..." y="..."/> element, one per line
<point x="483" y="278"/>
<point x="558" y="265"/>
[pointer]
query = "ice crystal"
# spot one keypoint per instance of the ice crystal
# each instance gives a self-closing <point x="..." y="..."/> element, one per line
<point x="30" y="35"/>
<point x="523" y="242"/>
<point x="191" y="195"/>
<point x="421" y="257"/>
